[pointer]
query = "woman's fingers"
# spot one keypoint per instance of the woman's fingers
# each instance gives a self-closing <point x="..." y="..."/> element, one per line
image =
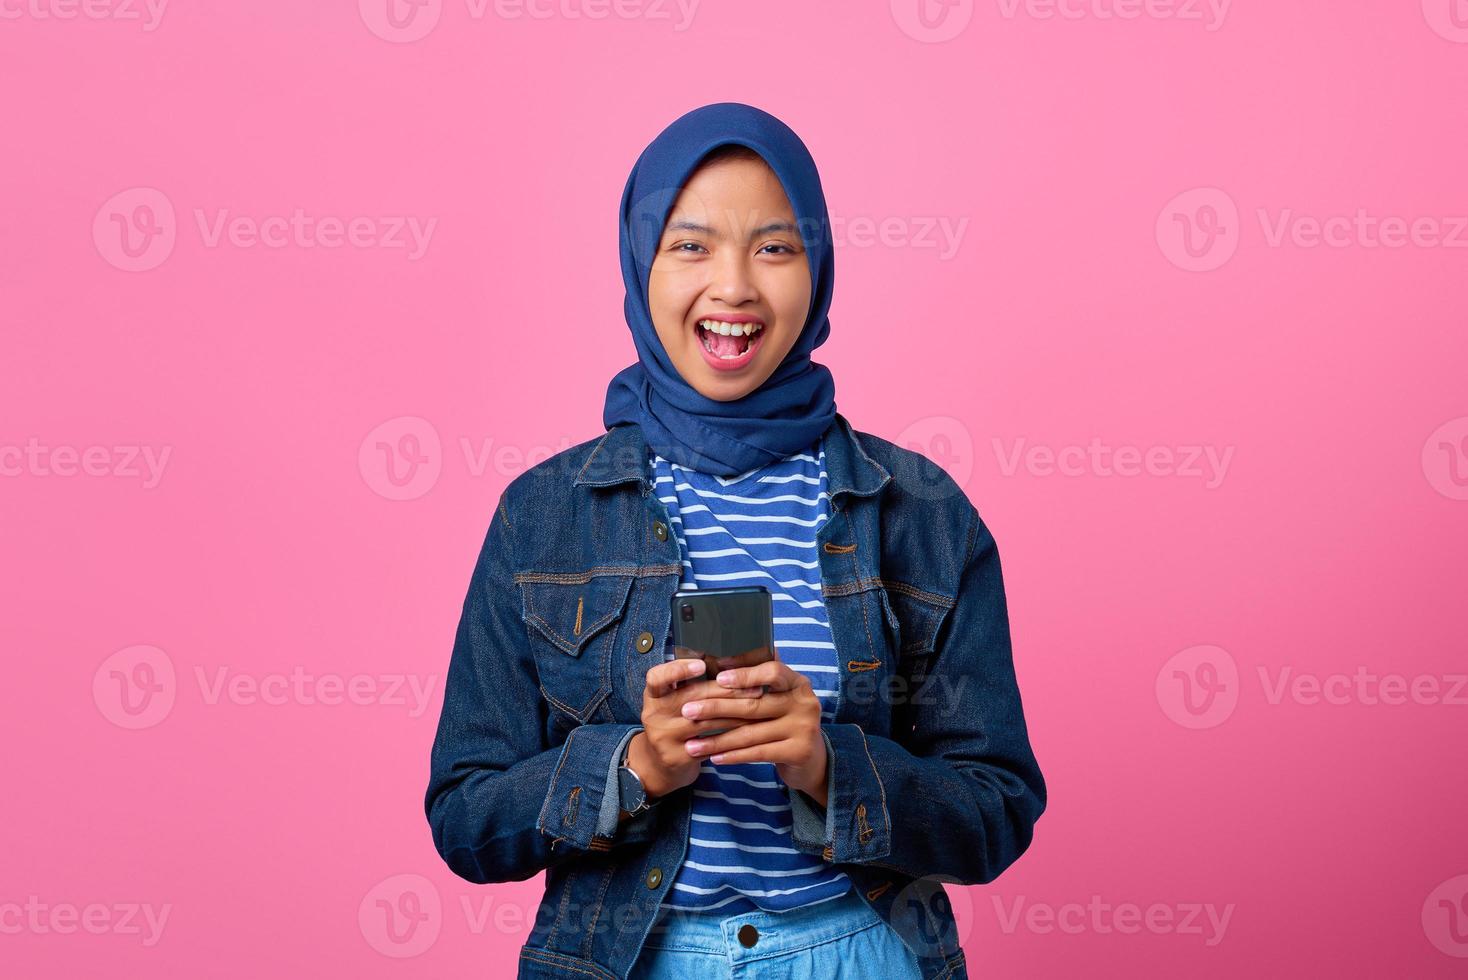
<point x="774" y="674"/>
<point x="771" y="705"/>
<point x="662" y="677"/>
<point x="746" y="735"/>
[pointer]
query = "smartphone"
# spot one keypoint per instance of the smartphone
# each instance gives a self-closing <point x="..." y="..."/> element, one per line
<point x="731" y="627"/>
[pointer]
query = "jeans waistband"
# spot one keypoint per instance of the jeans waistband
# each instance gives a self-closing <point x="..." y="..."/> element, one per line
<point x="774" y="932"/>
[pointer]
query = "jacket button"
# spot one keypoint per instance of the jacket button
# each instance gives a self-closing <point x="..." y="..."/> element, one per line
<point x="660" y="530"/>
<point x="654" y="877"/>
<point x="748" y="935"/>
<point x="644" y="642"/>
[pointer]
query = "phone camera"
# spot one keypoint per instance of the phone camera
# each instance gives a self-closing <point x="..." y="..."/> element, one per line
<point x="686" y="611"/>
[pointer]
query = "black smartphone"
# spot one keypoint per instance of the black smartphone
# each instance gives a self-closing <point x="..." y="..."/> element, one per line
<point x="732" y="627"/>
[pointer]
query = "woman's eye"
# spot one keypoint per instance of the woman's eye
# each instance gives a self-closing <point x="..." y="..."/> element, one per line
<point x="685" y="246"/>
<point x="787" y="248"/>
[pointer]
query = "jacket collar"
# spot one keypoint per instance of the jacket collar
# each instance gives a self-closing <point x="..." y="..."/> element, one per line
<point x="621" y="457"/>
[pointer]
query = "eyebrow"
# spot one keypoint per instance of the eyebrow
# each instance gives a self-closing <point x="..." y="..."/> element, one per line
<point x="688" y="224"/>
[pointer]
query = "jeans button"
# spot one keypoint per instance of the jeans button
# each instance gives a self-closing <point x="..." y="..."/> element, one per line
<point x="644" y="642"/>
<point x="654" y="877"/>
<point x="748" y="935"/>
<point x="660" y="530"/>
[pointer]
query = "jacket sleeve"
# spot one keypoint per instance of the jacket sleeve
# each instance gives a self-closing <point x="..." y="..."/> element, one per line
<point x="957" y="791"/>
<point x="504" y="803"/>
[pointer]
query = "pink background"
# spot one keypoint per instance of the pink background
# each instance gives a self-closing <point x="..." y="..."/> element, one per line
<point x="1113" y="280"/>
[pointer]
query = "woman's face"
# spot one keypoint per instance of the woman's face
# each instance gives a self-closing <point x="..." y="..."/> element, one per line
<point x="731" y="254"/>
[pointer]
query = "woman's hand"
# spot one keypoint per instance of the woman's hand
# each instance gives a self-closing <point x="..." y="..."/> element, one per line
<point x="783" y="726"/>
<point x="657" y="753"/>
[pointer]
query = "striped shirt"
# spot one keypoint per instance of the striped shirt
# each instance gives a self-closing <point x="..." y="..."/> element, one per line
<point x="757" y="528"/>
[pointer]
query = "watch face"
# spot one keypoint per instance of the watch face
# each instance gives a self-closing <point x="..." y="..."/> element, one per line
<point x="630" y="787"/>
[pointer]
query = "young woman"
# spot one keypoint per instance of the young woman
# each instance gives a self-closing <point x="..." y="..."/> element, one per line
<point x="882" y="751"/>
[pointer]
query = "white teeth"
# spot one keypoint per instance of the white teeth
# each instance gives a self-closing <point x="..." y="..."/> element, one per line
<point x="720" y="327"/>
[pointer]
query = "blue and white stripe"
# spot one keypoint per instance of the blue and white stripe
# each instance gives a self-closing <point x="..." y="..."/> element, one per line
<point x="757" y="528"/>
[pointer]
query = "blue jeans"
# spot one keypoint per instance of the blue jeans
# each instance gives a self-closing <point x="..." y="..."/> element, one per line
<point x="840" y="938"/>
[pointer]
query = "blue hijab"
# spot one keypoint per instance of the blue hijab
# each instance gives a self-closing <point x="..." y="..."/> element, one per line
<point x="796" y="404"/>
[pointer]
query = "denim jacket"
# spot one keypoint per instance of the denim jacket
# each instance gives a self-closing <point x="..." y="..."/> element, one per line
<point x="931" y="776"/>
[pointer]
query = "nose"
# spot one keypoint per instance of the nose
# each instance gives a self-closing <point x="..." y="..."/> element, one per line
<point x="732" y="284"/>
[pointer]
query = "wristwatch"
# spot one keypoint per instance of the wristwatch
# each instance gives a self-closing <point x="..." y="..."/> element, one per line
<point x="632" y="797"/>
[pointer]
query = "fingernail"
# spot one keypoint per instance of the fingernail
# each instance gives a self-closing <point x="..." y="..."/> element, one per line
<point x="726" y="677"/>
<point x="691" y="709"/>
<point x="694" y="746"/>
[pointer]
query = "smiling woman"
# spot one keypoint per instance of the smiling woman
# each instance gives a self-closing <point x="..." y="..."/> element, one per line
<point x="730" y="286"/>
<point x="812" y="832"/>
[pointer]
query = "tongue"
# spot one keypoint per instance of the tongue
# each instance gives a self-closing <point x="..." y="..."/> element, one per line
<point x="727" y="346"/>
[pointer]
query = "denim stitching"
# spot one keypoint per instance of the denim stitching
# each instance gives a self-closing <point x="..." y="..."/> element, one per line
<point x="536" y="955"/>
<point x="581" y="578"/>
<point x="601" y="896"/>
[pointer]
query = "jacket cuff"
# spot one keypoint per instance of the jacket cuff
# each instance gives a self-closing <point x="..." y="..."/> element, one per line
<point x="585" y="779"/>
<point x="611" y="803"/>
<point x="854" y="825"/>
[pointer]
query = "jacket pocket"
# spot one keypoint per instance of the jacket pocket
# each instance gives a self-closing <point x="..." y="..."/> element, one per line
<point x="571" y="620"/>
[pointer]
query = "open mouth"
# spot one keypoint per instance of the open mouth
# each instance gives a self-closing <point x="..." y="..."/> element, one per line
<point x="726" y="344"/>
